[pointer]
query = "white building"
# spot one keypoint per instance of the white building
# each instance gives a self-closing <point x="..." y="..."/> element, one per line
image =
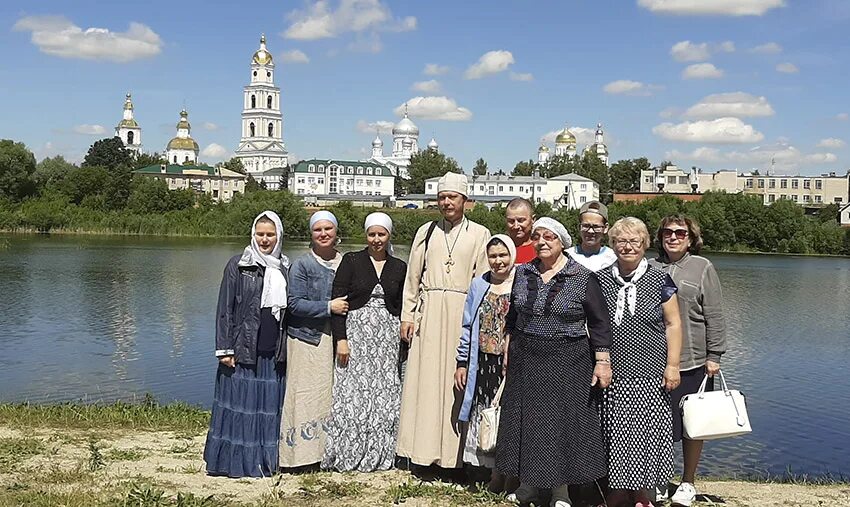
<point x="182" y="149"/>
<point x="219" y="183"/>
<point x="405" y="144"/>
<point x="844" y="215"/>
<point x="565" y="146"/>
<point x="128" y="129"/>
<point x="669" y="179"/>
<point x="342" y="178"/>
<point x="261" y="147"/>
<point x="565" y="191"/>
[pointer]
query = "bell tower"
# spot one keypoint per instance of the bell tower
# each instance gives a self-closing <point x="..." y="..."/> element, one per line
<point x="128" y="129"/>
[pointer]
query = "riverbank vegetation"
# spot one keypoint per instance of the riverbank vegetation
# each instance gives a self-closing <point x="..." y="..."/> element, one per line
<point x="150" y="455"/>
<point x="102" y="196"/>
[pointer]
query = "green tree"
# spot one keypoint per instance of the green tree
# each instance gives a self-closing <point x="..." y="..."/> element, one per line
<point x="625" y="176"/>
<point x="85" y="181"/>
<point x="828" y="212"/>
<point x="51" y="172"/>
<point x="148" y="159"/>
<point x="251" y="185"/>
<point x="109" y="153"/>
<point x="148" y="195"/>
<point x="480" y="168"/>
<point x="428" y="164"/>
<point x="559" y="165"/>
<point x="592" y="167"/>
<point x="17" y="169"/>
<point x="523" y="168"/>
<point x="234" y="164"/>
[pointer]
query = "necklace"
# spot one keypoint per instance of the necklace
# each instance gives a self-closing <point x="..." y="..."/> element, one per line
<point x="450" y="262"/>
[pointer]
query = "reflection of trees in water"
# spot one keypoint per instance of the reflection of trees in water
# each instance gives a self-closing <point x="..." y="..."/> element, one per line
<point x="175" y="305"/>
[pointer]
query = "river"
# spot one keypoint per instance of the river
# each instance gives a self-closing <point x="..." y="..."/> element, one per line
<point x="98" y="318"/>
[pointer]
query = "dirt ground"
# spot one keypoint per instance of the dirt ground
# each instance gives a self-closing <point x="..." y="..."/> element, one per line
<point x="72" y="466"/>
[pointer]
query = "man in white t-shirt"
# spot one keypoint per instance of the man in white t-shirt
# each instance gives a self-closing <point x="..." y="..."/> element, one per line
<point x="593" y="226"/>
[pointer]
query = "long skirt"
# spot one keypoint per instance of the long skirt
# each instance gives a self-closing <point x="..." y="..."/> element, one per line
<point x="307" y="405"/>
<point x="366" y="394"/>
<point x="638" y="426"/>
<point x="487" y="380"/>
<point x="549" y="430"/>
<point x="245" y="422"/>
<point x="429" y="433"/>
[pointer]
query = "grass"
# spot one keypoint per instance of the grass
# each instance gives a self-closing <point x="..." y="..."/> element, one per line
<point x="147" y="415"/>
<point x="124" y="455"/>
<point x="439" y="491"/>
<point x="13" y="451"/>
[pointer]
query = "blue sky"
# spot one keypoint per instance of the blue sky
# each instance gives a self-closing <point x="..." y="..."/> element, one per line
<point x="721" y="84"/>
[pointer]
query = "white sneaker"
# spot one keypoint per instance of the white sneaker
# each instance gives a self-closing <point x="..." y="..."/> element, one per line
<point x="661" y="493"/>
<point x="684" y="495"/>
<point x="512" y="498"/>
<point x="563" y="503"/>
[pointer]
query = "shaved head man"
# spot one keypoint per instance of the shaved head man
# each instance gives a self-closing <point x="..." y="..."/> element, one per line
<point x="519" y="215"/>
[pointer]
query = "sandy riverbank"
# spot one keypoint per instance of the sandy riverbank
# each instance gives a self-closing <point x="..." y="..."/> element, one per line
<point x="85" y="467"/>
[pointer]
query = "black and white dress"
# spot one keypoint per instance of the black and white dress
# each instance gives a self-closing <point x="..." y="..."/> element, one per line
<point x="549" y="429"/>
<point x="367" y="392"/>
<point x="635" y="410"/>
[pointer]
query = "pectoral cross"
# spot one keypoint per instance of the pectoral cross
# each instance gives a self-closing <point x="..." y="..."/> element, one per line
<point x="449" y="264"/>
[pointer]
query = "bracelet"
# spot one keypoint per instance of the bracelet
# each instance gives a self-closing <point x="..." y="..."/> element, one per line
<point x="606" y="361"/>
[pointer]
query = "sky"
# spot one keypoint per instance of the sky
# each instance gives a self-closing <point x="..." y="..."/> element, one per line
<point x="717" y="84"/>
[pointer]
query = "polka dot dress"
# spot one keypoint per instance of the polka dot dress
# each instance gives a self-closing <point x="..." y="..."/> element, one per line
<point x="635" y="410"/>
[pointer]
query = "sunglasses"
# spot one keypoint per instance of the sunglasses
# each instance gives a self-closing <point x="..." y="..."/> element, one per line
<point x="679" y="233"/>
<point x="547" y="236"/>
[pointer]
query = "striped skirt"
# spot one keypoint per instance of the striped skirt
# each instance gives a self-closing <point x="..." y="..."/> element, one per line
<point x="245" y="422"/>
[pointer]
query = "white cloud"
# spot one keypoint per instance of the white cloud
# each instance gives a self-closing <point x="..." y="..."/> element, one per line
<point x="726" y="47"/>
<point x="702" y="71"/>
<point x="687" y="51"/>
<point x="321" y="21"/>
<point x="366" y="43"/>
<point x="522" y="76"/>
<point x="584" y="136"/>
<point x="435" y="108"/>
<point x="491" y="62"/>
<point x="711" y="7"/>
<point x="208" y="125"/>
<point x="769" y="48"/>
<point x="628" y="87"/>
<point x="721" y="130"/>
<point x="831" y="142"/>
<point x="214" y="151"/>
<point x="373" y="127"/>
<point x="780" y="156"/>
<point x="842" y="116"/>
<point x="89" y="130"/>
<point x="294" y="56"/>
<point x="433" y="69"/>
<point x="430" y="86"/>
<point x="787" y="68"/>
<point x="735" y="104"/>
<point x="822" y="158"/>
<point x="57" y="36"/>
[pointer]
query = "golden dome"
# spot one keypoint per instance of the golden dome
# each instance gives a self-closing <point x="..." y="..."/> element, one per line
<point x="262" y="56"/>
<point x="131" y="123"/>
<point x="183" y="143"/>
<point x="565" y="137"/>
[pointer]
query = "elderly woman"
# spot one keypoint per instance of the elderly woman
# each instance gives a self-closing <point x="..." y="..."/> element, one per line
<point x="703" y="328"/>
<point x="549" y="432"/>
<point x="645" y="351"/>
<point x="309" y="371"/>
<point x="245" y="423"/>
<point x="367" y="387"/>
<point x="482" y="347"/>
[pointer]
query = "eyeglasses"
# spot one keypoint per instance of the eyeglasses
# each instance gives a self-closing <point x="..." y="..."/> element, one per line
<point x="679" y="233"/>
<point x="634" y="243"/>
<point x="547" y="236"/>
<point x="592" y="227"/>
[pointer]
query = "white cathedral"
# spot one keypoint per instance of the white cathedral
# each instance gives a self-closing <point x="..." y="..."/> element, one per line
<point x="565" y="146"/>
<point x="261" y="147"/>
<point x="405" y="144"/>
<point x="128" y="128"/>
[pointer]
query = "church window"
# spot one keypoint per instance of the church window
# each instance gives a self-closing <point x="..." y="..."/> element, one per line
<point x="268" y="74"/>
<point x="253" y="101"/>
<point x="186" y="159"/>
<point x="253" y="129"/>
<point x="255" y="73"/>
<point x="311" y="168"/>
<point x="369" y="171"/>
<point x="130" y="137"/>
<point x="271" y="129"/>
<point x="269" y="102"/>
<point x="321" y="168"/>
<point x="175" y="159"/>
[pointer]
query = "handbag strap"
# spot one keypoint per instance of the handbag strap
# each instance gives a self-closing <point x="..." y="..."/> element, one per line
<point x="498" y="398"/>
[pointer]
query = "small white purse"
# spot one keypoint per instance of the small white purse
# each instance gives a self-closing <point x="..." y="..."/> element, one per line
<point x="488" y="422"/>
<point x="714" y="414"/>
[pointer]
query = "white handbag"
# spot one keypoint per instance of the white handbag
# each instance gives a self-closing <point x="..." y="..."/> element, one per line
<point x="488" y="422"/>
<point x="714" y="414"/>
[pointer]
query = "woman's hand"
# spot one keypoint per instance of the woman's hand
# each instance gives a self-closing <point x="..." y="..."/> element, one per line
<point x="671" y="377"/>
<point x="505" y="355"/>
<point x="229" y="361"/>
<point x="339" y="306"/>
<point x="407" y="331"/>
<point x="460" y="378"/>
<point x="712" y="368"/>
<point x="343" y="351"/>
<point x="601" y="375"/>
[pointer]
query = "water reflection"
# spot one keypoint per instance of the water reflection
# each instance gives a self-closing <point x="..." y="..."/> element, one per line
<point x="107" y="318"/>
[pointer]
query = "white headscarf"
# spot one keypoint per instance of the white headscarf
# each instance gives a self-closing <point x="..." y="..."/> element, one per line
<point x="382" y="219"/>
<point x="556" y="227"/>
<point x="627" y="295"/>
<point x="274" y="283"/>
<point x="509" y="244"/>
<point x="323" y="215"/>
